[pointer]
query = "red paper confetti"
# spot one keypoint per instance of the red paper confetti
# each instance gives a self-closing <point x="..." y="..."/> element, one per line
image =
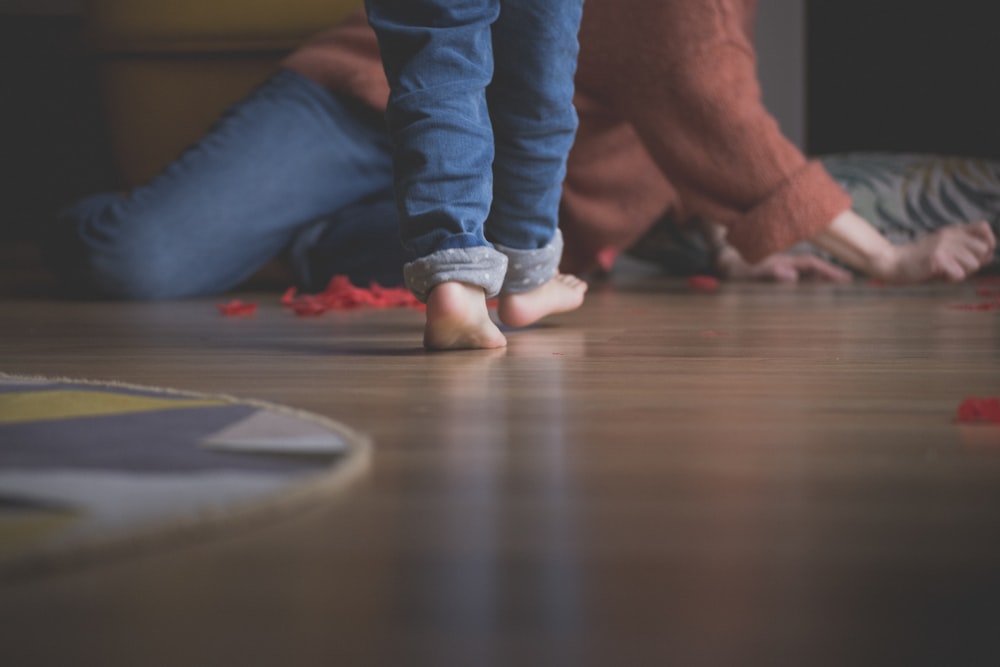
<point x="340" y="294"/>
<point x="237" y="308"/>
<point x="703" y="283"/>
<point x="308" y="305"/>
<point x="982" y="290"/>
<point x="984" y="305"/>
<point x="979" y="410"/>
<point x="606" y="258"/>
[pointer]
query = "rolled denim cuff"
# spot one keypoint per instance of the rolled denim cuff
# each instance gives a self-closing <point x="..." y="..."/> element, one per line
<point x="528" y="269"/>
<point x="481" y="266"/>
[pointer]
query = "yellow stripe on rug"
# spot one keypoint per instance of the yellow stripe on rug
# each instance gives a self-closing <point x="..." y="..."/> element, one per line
<point x="18" y="531"/>
<point x="32" y="406"/>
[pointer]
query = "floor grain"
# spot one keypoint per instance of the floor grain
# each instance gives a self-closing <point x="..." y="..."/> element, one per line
<point x="761" y="475"/>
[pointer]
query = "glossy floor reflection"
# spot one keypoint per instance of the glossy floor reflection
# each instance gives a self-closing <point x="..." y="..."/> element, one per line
<point x="762" y="475"/>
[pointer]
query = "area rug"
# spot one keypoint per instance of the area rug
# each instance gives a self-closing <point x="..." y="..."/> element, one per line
<point x="93" y="470"/>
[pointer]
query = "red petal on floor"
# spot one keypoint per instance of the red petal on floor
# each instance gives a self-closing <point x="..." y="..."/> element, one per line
<point x="237" y="308"/>
<point x="980" y="410"/>
<point x="985" y="305"/>
<point x="703" y="283"/>
<point x="341" y="294"/>
<point x="306" y="306"/>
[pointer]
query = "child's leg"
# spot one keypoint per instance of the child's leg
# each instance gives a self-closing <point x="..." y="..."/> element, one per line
<point x="450" y="280"/>
<point x="534" y="121"/>
<point x="457" y="319"/>
<point x="438" y="58"/>
<point x="534" y="287"/>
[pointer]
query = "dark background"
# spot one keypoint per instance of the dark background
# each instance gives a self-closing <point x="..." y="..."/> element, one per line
<point x="902" y="76"/>
<point x="53" y="143"/>
<point x="881" y="75"/>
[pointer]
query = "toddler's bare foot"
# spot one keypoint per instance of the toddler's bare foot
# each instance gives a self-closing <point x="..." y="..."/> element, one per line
<point x="561" y="294"/>
<point x="457" y="319"/>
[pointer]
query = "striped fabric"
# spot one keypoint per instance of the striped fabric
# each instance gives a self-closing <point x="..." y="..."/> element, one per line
<point x="906" y="196"/>
<point x="903" y="195"/>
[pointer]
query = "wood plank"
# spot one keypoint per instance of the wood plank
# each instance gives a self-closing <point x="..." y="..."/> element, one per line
<point x="765" y="474"/>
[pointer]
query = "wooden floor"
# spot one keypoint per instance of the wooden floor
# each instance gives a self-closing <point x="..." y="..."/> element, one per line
<point x="762" y="475"/>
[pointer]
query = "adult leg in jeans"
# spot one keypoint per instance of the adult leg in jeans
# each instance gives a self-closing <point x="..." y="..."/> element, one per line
<point x="360" y="241"/>
<point x="288" y="155"/>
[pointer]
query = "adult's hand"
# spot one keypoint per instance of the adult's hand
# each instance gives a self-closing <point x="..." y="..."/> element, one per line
<point x="780" y="267"/>
<point x="951" y="253"/>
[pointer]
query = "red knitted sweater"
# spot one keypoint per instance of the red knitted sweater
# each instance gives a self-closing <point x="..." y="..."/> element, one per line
<point x="670" y="118"/>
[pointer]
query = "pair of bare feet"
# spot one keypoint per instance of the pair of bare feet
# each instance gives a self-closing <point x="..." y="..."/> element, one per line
<point x="458" y="318"/>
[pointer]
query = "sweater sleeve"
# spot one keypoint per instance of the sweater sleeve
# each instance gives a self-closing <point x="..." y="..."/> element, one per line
<point x="693" y="97"/>
<point x="345" y="59"/>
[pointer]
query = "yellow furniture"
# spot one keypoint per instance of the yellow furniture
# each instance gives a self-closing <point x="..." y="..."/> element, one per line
<point x="169" y="68"/>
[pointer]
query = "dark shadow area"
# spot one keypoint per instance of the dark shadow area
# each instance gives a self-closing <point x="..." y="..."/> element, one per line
<point x="890" y="75"/>
<point x="53" y="134"/>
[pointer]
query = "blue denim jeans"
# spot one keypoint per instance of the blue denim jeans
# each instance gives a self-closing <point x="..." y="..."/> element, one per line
<point x="292" y="168"/>
<point x="481" y="118"/>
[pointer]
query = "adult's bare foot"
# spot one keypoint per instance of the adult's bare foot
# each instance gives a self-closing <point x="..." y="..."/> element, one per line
<point x="458" y="319"/>
<point x="561" y="294"/>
